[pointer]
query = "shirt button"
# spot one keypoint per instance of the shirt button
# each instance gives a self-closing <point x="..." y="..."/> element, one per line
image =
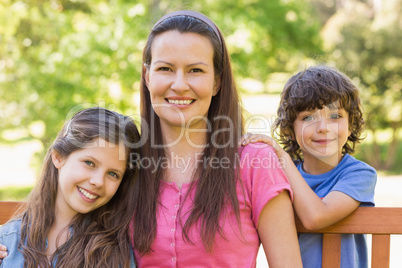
<point x="176" y="206"/>
<point x="174" y="259"/>
<point x="172" y="230"/>
<point x="172" y="244"/>
<point x="174" y="217"/>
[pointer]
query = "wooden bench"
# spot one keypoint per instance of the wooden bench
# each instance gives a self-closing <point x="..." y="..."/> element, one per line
<point x="7" y="210"/>
<point x="381" y="222"/>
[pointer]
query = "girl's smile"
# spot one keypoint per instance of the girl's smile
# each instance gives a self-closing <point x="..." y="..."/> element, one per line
<point x="87" y="195"/>
<point x="88" y="177"/>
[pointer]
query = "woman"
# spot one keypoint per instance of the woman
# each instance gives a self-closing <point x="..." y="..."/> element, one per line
<point x="201" y="201"/>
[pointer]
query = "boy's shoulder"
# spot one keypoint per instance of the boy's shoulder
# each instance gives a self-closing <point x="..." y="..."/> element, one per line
<point x="350" y="163"/>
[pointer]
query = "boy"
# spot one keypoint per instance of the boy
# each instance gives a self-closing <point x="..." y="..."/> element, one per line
<point x="319" y="122"/>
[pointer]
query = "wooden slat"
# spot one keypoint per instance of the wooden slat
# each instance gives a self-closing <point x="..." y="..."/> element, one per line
<point x="381" y="222"/>
<point x="7" y="210"/>
<point x="365" y="220"/>
<point x="331" y="251"/>
<point x="380" y="251"/>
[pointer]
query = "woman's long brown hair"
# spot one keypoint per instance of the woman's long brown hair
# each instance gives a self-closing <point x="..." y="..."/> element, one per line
<point x="99" y="238"/>
<point x="215" y="187"/>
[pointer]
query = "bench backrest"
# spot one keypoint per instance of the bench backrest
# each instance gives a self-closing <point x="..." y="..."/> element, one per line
<point x="7" y="210"/>
<point x="381" y="222"/>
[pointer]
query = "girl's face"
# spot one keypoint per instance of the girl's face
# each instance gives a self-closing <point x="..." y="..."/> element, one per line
<point x="89" y="177"/>
<point x="181" y="79"/>
<point x="322" y="133"/>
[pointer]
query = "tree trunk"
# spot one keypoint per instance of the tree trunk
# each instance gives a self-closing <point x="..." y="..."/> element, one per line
<point x="373" y="152"/>
<point x="392" y="149"/>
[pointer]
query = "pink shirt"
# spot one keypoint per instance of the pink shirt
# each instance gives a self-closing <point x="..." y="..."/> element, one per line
<point x="262" y="180"/>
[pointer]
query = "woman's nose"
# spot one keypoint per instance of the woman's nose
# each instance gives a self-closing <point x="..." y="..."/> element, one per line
<point x="180" y="82"/>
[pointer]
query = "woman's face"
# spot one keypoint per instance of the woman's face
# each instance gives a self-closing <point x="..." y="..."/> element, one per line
<point x="181" y="79"/>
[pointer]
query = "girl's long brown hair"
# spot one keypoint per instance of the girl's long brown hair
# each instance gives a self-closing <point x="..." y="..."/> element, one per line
<point x="99" y="238"/>
<point x="215" y="187"/>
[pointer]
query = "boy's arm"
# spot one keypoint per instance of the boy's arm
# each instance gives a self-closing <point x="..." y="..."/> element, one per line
<point x="315" y="213"/>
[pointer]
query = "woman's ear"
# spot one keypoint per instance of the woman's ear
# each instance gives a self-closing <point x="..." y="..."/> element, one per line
<point x="146" y="72"/>
<point x="57" y="159"/>
<point x="217" y="85"/>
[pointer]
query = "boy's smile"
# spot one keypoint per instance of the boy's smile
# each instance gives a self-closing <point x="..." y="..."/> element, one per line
<point x="321" y="133"/>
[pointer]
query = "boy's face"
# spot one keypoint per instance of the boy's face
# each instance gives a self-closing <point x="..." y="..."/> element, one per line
<point x="321" y="133"/>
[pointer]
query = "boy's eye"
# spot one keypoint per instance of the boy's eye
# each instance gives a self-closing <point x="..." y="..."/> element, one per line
<point x="335" y="116"/>
<point x="89" y="163"/>
<point x="308" y="118"/>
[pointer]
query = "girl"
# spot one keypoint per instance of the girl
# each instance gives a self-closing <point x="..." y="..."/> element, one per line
<point x="79" y="212"/>
<point x="198" y="203"/>
<point x="319" y="122"/>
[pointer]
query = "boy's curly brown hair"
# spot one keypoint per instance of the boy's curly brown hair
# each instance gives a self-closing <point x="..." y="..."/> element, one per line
<point x="315" y="88"/>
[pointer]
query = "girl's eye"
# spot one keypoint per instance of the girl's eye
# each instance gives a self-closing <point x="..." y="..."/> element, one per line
<point x="114" y="175"/>
<point x="89" y="163"/>
<point x="308" y="118"/>
<point x="335" y="116"/>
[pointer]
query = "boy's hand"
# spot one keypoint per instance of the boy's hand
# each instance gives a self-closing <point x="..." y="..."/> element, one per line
<point x="252" y="138"/>
<point x="3" y="252"/>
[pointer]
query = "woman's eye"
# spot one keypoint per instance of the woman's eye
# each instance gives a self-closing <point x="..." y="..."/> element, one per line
<point x="308" y="118"/>
<point x="89" y="163"/>
<point x="165" y="69"/>
<point x="196" y="70"/>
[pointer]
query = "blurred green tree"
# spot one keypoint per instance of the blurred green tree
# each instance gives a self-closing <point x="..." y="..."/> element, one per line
<point x="365" y="40"/>
<point x="62" y="55"/>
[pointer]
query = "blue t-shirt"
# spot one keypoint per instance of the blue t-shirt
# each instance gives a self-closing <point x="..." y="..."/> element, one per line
<point x="351" y="177"/>
<point x="10" y="236"/>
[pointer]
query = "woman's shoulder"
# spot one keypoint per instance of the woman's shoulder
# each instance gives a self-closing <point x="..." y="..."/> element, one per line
<point x="257" y="149"/>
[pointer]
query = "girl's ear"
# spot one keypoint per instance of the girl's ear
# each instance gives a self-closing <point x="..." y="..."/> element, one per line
<point x="57" y="159"/>
<point x="217" y="85"/>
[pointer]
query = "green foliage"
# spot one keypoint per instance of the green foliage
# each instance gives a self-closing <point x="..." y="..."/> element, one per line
<point x="59" y="56"/>
<point x="364" y="40"/>
<point x="62" y="55"/>
<point x="14" y="193"/>
<point x="366" y="148"/>
<point x="366" y="43"/>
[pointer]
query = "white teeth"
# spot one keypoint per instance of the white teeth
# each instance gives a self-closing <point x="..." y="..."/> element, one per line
<point x="88" y="195"/>
<point x="180" y="102"/>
